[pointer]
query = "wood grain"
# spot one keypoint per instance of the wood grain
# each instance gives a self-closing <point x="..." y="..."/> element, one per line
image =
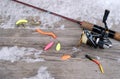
<point x="74" y="68"/>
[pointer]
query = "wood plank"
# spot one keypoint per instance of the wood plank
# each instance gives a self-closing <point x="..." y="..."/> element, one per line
<point x="74" y="68"/>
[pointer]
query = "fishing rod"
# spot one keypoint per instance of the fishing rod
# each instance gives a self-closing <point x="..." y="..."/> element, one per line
<point x="86" y="25"/>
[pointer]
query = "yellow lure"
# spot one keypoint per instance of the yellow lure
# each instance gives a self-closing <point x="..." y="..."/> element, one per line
<point x="58" y="47"/>
<point x="22" y="21"/>
<point x="101" y="68"/>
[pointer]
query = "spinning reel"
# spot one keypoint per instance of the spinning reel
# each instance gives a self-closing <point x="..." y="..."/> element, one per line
<point x="97" y="40"/>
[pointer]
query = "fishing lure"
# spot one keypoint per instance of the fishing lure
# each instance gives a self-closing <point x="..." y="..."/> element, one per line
<point x="95" y="61"/>
<point x="49" y="45"/>
<point x="58" y="46"/>
<point x="66" y="57"/>
<point x="46" y="33"/>
<point x="22" y="21"/>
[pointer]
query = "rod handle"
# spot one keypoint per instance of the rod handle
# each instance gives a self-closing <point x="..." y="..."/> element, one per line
<point x="117" y="36"/>
<point x="87" y="25"/>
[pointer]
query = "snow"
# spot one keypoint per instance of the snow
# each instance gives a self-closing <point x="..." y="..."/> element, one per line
<point x="42" y="74"/>
<point x="28" y="55"/>
<point x="20" y="53"/>
<point x="88" y="10"/>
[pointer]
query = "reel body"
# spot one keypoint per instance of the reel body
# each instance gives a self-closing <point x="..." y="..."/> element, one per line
<point x="97" y="40"/>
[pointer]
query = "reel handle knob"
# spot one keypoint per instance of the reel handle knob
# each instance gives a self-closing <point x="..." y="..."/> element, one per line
<point x="105" y="15"/>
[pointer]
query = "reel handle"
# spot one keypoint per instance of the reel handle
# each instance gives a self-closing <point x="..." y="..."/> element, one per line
<point x="105" y="15"/>
<point x="99" y="29"/>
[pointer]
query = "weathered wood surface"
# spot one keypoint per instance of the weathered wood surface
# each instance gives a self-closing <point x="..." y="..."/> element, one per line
<point x="75" y="68"/>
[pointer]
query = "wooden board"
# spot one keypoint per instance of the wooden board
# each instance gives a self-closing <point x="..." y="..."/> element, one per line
<point x="75" y="68"/>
